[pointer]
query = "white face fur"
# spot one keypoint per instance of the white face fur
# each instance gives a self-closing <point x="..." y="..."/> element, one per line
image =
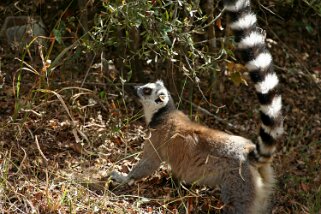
<point x="153" y="97"/>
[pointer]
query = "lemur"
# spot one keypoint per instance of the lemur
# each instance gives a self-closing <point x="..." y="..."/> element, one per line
<point x="200" y="155"/>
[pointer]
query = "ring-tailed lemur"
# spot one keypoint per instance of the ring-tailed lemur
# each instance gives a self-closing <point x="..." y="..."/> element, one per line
<point x="197" y="154"/>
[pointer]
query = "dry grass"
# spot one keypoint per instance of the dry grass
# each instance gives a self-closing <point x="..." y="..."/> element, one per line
<point x="54" y="157"/>
<point x="58" y="144"/>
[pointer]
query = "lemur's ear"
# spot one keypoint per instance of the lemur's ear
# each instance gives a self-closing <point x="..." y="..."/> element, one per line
<point x="160" y="82"/>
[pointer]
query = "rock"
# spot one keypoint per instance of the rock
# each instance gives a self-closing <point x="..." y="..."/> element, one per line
<point x="19" y="31"/>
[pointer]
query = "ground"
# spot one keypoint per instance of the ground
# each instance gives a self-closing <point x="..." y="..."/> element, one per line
<point x="57" y="149"/>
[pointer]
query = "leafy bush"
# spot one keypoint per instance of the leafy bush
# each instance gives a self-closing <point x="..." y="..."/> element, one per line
<point x="159" y="36"/>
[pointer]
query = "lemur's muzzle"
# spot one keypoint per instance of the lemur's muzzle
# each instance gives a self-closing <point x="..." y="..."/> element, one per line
<point x="135" y="90"/>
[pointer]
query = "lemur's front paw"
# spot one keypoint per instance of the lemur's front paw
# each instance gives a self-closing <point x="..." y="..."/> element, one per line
<point x="120" y="178"/>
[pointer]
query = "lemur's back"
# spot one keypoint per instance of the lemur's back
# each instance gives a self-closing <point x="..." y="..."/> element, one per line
<point x="195" y="152"/>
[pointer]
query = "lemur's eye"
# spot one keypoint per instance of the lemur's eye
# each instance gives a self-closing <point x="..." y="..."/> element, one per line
<point x="147" y="91"/>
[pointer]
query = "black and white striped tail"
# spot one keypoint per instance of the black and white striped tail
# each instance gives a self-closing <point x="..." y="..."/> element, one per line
<point x="251" y="45"/>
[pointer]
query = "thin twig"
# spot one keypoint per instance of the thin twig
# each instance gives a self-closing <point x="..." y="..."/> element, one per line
<point x="32" y="111"/>
<point x="197" y="83"/>
<point x="23" y="159"/>
<point x="39" y="149"/>
<point x="87" y="72"/>
<point x="270" y="11"/>
<point x="213" y="115"/>
<point x="74" y="124"/>
<point x="215" y="19"/>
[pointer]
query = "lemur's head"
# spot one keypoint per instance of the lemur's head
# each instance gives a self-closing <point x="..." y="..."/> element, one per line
<point x="154" y="97"/>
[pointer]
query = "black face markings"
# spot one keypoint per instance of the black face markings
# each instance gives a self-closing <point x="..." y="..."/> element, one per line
<point x="147" y="91"/>
<point x="160" y="115"/>
<point x="158" y="100"/>
<point x="161" y="98"/>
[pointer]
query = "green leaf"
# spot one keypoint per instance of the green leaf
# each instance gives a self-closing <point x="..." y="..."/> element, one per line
<point x="58" y="35"/>
<point x="129" y="75"/>
<point x="309" y="28"/>
<point x="102" y="94"/>
<point x="167" y="39"/>
<point x="166" y="15"/>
